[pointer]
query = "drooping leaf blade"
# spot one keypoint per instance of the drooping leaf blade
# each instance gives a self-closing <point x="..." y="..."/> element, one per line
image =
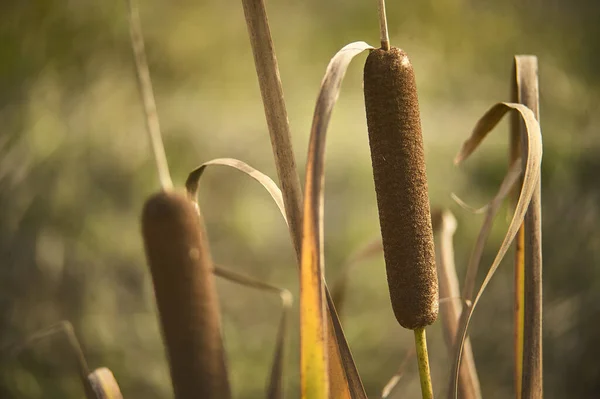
<point x="532" y="157"/>
<point x="313" y="337"/>
<point x="343" y="373"/>
<point x="192" y="184"/>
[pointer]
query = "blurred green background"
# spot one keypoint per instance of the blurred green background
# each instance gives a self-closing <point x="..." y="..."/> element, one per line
<point x="75" y="169"/>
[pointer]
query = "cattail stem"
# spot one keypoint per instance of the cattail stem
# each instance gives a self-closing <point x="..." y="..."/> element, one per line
<point x="147" y="94"/>
<point x="383" y="28"/>
<point x="423" y="361"/>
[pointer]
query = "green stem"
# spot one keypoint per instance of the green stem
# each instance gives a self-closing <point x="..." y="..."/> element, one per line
<point x="423" y="360"/>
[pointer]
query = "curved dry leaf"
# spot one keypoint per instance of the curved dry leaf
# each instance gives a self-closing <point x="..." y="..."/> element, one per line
<point x="342" y="356"/>
<point x="104" y="384"/>
<point x="313" y="342"/>
<point x="532" y="156"/>
<point x="460" y="202"/>
<point x="192" y="184"/>
<point x="275" y="389"/>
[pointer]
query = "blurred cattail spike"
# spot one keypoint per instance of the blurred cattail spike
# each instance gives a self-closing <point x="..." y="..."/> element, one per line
<point x="444" y="225"/>
<point x="398" y="160"/>
<point x="179" y="259"/>
<point x="104" y="384"/>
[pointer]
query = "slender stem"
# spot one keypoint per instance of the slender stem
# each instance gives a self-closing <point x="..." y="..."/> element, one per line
<point x="532" y="382"/>
<point x="423" y="361"/>
<point x="519" y="256"/>
<point x="147" y="94"/>
<point x="271" y="91"/>
<point x="383" y="28"/>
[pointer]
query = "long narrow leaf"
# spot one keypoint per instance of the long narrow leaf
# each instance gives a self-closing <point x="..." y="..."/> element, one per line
<point x="343" y="373"/>
<point x="532" y="158"/>
<point x="192" y="184"/>
<point x="279" y="130"/>
<point x="313" y="337"/>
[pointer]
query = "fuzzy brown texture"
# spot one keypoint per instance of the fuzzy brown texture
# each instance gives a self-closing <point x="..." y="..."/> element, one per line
<point x="181" y="267"/>
<point x="401" y="186"/>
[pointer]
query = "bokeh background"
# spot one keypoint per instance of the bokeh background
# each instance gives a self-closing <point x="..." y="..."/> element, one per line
<point x="75" y="168"/>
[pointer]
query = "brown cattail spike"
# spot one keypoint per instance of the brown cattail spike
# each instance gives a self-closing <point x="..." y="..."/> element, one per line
<point x="401" y="186"/>
<point x="181" y="266"/>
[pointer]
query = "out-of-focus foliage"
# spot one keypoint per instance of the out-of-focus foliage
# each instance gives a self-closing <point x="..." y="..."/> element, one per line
<point x="75" y="169"/>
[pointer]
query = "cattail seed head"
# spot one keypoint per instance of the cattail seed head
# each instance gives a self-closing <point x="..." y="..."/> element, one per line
<point x="398" y="160"/>
<point x="181" y="267"/>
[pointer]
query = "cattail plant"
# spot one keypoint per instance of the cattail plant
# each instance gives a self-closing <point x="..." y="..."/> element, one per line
<point x="181" y="266"/>
<point x="183" y="273"/>
<point x="398" y="160"/>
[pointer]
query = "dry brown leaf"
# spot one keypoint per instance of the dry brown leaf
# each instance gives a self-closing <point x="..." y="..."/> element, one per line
<point x="192" y="184"/>
<point x="532" y="157"/>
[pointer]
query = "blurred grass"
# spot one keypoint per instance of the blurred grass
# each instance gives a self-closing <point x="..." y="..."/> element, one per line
<point x="75" y="166"/>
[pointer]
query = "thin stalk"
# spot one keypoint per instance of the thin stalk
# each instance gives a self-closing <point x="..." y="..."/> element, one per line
<point x="383" y="27"/>
<point x="532" y="383"/>
<point x="147" y="94"/>
<point x="275" y="113"/>
<point x="519" y="255"/>
<point x="277" y="121"/>
<point x="423" y="361"/>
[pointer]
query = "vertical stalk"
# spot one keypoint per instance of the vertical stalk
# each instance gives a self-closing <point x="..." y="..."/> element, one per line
<point x="271" y="90"/>
<point x="423" y="361"/>
<point x="383" y="27"/>
<point x="147" y="95"/>
<point x="275" y="113"/>
<point x="519" y="255"/>
<point x="532" y="380"/>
